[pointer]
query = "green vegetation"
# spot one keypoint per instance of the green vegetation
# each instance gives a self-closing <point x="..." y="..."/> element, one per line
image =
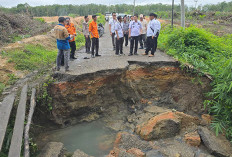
<point x="40" y="20"/>
<point x="12" y="79"/>
<point x="90" y="9"/>
<point x="32" y="57"/>
<point x="212" y="55"/>
<point x="44" y="98"/>
<point x="2" y="87"/>
<point x="101" y="18"/>
<point x="16" y="38"/>
<point x="73" y="15"/>
<point x="80" y="40"/>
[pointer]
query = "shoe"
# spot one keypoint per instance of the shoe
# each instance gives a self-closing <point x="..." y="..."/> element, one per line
<point x="144" y="54"/>
<point x="117" y="54"/>
<point x="141" y="47"/>
<point x="151" y="56"/>
<point x="136" y="53"/>
<point x="66" y="70"/>
<point x="92" y="56"/>
<point x="57" y="69"/>
<point x="74" y="58"/>
<point x="97" y="55"/>
<point x="130" y="54"/>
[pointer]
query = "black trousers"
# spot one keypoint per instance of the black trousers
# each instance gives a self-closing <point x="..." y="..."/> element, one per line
<point x="73" y="49"/>
<point x="134" y="44"/>
<point x="142" y="40"/>
<point x="113" y="40"/>
<point x="151" y="45"/>
<point x="126" y="39"/>
<point x="119" y="45"/>
<point x="156" y="41"/>
<point x="87" y="43"/>
<point x="95" y="45"/>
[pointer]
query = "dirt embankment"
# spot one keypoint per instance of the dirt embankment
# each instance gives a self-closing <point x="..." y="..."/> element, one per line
<point x="16" y="26"/>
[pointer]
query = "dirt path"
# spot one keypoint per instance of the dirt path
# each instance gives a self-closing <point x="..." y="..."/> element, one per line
<point x="109" y="60"/>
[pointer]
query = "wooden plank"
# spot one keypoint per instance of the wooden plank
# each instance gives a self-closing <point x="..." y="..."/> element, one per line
<point x="16" y="141"/>
<point x="27" y="128"/>
<point x="5" y="110"/>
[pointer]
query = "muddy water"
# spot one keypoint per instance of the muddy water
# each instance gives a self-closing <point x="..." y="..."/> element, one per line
<point x="92" y="138"/>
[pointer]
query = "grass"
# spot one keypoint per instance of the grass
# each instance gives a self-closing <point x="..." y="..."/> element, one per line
<point x="40" y="19"/>
<point x="210" y="54"/>
<point x="32" y="57"/>
<point x="2" y="87"/>
<point x="80" y="40"/>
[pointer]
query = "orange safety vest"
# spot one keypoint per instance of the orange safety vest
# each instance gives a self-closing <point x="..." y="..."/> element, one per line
<point x="71" y="30"/>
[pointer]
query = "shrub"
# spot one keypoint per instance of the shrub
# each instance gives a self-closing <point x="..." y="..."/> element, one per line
<point x="210" y="54"/>
<point x="40" y="20"/>
<point x="101" y="18"/>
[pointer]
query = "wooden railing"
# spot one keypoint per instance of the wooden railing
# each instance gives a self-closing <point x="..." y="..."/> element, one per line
<point x="5" y="111"/>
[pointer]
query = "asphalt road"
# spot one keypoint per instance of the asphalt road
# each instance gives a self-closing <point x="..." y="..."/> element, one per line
<point x="109" y="60"/>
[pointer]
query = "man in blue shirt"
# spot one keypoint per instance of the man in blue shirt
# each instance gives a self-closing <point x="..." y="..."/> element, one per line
<point x="62" y="38"/>
<point x="135" y="29"/>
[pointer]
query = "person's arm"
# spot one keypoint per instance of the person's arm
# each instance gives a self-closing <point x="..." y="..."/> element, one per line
<point x="141" y="28"/>
<point x="90" y="29"/>
<point x="146" y="25"/>
<point x="156" y="28"/>
<point x="116" y="30"/>
<point x="110" y="28"/>
<point x="75" y="32"/>
<point x="66" y="35"/>
<point x="130" y="30"/>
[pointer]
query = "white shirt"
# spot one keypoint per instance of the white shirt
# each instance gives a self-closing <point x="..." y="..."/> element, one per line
<point x="118" y="27"/>
<point x="112" y="22"/>
<point x="158" y="24"/>
<point x="153" y="27"/>
<point x="135" y="28"/>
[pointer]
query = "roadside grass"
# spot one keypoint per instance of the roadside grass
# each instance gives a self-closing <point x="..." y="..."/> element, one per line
<point x="80" y="40"/>
<point x="2" y="87"/>
<point x="31" y="57"/>
<point x="210" y="54"/>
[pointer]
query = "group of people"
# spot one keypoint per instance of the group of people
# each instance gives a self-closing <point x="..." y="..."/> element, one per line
<point x="122" y="29"/>
<point x="136" y="31"/>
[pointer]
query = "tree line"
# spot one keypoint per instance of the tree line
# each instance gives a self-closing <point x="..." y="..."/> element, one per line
<point x="89" y="9"/>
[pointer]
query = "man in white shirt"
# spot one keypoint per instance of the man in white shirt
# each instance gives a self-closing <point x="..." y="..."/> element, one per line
<point x="112" y="23"/>
<point x="135" y="29"/>
<point x="119" y="36"/>
<point x="143" y="36"/>
<point x="153" y="29"/>
<point x="159" y="28"/>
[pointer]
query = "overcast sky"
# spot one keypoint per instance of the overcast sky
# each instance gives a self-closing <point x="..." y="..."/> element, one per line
<point x="11" y="3"/>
